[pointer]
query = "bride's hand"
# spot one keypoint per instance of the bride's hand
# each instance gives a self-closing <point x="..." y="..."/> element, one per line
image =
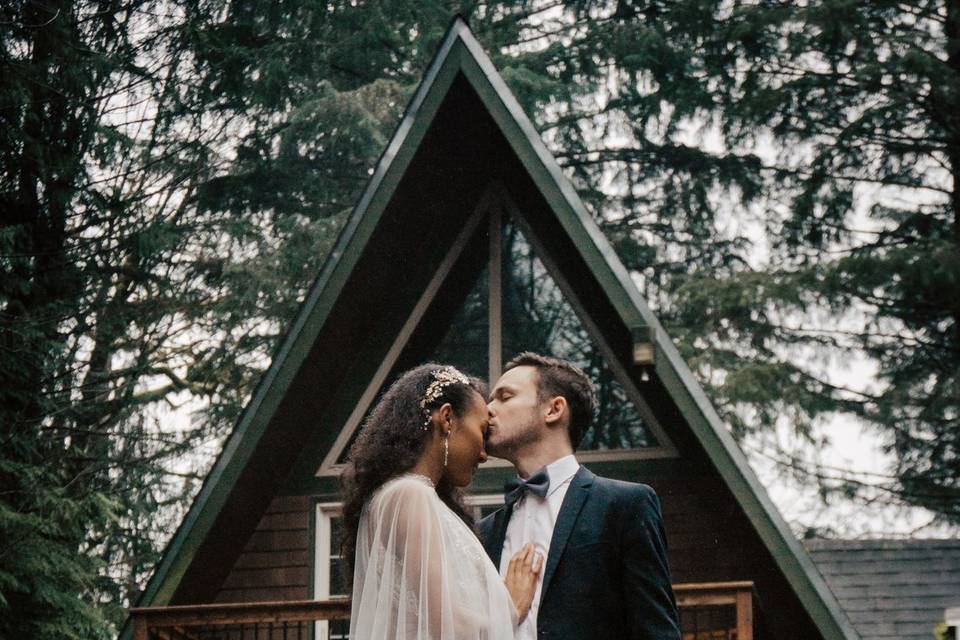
<point x="521" y="578"/>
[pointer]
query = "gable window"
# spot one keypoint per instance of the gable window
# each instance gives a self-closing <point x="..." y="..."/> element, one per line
<point x="515" y="300"/>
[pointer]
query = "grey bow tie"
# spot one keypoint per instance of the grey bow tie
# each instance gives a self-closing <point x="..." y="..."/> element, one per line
<point x="538" y="483"/>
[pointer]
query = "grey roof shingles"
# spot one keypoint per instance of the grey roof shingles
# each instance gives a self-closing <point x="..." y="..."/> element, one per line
<point x="891" y="589"/>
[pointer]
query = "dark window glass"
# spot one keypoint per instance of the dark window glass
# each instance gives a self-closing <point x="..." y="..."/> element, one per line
<point x="337" y="586"/>
<point x="339" y="629"/>
<point x="537" y="317"/>
<point x="336" y="629"/>
<point x="465" y="345"/>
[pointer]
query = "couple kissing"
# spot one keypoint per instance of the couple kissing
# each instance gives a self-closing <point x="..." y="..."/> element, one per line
<point x="569" y="555"/>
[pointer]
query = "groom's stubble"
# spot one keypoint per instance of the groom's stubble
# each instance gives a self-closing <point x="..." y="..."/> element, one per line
<point x="512" y="439"/>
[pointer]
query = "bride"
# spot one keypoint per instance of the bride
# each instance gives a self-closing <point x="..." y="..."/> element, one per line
<point x="419" y="571"/>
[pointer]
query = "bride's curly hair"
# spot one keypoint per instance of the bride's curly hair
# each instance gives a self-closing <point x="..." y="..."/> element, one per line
<point x="390" y="442"/>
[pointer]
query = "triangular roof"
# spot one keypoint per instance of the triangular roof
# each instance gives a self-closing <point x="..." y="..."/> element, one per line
<point x="251" y="447"/>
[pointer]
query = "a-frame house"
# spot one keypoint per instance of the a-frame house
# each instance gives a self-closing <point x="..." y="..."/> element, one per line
<point x="469" y="245"/>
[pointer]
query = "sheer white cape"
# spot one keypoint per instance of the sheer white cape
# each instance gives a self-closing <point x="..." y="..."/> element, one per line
<point x="422" y="574"/>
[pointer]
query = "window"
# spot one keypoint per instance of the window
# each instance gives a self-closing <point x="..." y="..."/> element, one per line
<point x="464" y="345"/>
<point x="484" y="505"/>
<point x="328" y="569"/>
<point x="328" y="565"/>
<point x="538" y="317"/>
<point x="519" y="302"/>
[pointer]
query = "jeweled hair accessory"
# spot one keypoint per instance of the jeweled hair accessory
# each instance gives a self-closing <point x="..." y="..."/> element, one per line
<point x="442" y="378"/>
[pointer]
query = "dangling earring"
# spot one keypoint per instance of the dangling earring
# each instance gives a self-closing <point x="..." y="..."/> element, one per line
<point x="446" y="449"/>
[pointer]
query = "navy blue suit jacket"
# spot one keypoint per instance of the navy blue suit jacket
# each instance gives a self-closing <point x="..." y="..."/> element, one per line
<point x="606" y="574"/>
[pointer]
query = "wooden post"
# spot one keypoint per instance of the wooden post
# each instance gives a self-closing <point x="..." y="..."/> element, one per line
<point x="736" y="594"/>
<point x="139" y="628"/>
<point x="745" y="614"/>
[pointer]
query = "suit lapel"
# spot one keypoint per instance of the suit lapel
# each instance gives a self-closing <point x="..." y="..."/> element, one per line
<point x="567" y="517"/>
<point x="494" y="542"/>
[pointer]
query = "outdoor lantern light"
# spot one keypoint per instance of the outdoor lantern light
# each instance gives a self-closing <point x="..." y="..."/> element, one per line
<point x="644" y="352"/>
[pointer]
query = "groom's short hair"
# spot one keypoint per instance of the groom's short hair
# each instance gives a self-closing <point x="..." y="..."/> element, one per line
<point x="556" y="377"/>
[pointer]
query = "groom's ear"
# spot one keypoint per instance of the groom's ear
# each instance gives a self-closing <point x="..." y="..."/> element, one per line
<point x="556" y="409"/>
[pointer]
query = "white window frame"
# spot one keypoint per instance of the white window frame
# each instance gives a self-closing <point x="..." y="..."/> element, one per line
<point x="323" y="513"/>
<point x="483" y="500"/>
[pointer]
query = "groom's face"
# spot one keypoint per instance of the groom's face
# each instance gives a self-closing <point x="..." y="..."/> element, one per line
<point x="515" y="416"/>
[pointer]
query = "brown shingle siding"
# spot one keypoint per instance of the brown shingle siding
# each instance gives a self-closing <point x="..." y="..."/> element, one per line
<point x="275" y="563"/>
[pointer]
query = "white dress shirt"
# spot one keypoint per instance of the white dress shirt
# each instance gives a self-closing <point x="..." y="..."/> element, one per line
<point x="532" y="521"/>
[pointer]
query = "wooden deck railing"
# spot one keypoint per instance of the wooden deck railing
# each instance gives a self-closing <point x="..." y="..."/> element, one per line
<point x="708" y="611"/>
<point x="290" y="620"/>
<point x="716" y="610"/>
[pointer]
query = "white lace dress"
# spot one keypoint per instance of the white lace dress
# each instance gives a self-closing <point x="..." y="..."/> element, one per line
<point x="422" y="574"/>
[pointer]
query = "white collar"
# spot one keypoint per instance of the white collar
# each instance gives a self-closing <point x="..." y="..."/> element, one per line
<point x="562" y="471"/>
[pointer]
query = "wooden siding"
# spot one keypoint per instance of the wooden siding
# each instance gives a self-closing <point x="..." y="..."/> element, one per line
<point x="275" y="562"/>
<point x="711" y="540"/>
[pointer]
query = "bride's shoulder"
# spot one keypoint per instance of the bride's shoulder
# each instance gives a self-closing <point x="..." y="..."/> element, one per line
<point x="407" y="493"/>
<point x="406" y="484"/>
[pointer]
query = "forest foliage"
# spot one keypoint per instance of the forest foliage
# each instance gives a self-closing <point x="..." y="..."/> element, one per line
<point x="783" y="178"/>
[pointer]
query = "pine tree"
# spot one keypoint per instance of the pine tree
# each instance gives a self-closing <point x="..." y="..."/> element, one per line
<point x="832" y="127"/>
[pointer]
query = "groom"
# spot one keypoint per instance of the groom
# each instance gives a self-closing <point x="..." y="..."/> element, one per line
<point x="606" y="573"/>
